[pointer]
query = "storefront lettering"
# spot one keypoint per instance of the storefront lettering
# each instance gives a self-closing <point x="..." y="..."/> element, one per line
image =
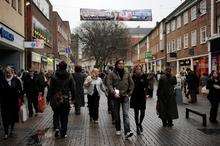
<point x="5" y="34"/>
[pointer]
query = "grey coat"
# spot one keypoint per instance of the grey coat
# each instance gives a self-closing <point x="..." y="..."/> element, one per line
<point x="167" y="98"/>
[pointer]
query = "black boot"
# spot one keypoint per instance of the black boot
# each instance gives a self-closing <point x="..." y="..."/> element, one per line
<point x="165" y="124"/>
<point x="170" y="123"/>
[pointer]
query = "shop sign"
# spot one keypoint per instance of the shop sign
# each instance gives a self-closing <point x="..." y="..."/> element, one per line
<point x="173" y="54"/>
<point x="148" y="55"/>
<point x="36" y="57"/>
<point x="5" y="34"/>
<point x="37" y="44"/>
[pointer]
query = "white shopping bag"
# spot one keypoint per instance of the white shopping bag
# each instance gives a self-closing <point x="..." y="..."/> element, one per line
<point x="23" y="113"/>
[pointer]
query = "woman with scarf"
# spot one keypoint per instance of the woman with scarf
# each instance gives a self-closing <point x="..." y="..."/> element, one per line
<point x="11" y="91"/>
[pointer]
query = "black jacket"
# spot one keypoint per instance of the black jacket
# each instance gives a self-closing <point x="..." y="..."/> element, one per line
<point x="214" y="94"/>
<point x="61" y="82"/>
<point x="138" y="97"/>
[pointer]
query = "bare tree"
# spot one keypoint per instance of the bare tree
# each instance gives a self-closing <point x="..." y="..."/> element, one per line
<point x="103" y="41"/>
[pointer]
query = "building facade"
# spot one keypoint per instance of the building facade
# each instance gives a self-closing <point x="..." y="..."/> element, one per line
<point x="38" y="15"/>
<point x="12" y="33"/>
<point x="61" y="38"/>
<point x="187" y="30"/>
<point x="214" y="41"/>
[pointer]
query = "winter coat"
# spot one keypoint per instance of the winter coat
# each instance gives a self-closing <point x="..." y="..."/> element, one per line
<point x="31" y="85"/>
<point x="124" y="85"/>
<point x="214" y="93"/>
<point x="79" y="80"/>
<point x="192" y="82"/>
<point x="64" y="83"/>
<point x="138" y="97"/>
<point x="167" y="98"/>
<point x="9" y="99"/>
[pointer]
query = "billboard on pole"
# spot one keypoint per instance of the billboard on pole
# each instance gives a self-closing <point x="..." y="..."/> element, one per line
<point x="114" y="15"/>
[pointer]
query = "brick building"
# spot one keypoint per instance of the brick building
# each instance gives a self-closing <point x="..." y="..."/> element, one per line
<point x="187" y="29"/>
<point x="61" y="38"/>
<point x="38" y="26"/>
<point x="214" y="41"/>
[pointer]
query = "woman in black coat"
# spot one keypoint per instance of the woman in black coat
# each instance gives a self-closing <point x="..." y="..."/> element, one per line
<point x="138" y="98"/>
<point x="213" y="85"/>
<point x="11" y="91"/>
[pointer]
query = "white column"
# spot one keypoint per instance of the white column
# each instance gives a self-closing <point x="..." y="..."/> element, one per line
<point x="138" y="51"/>
<point x="212" y="16"/>
<point x="191" y="67"/>
<point x="177" y="66"/>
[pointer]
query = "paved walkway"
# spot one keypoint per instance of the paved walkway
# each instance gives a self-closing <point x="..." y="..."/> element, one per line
<point x="38" y="130"/>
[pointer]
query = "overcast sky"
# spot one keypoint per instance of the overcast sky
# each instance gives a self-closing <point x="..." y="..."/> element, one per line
<point x="70" y="9"/>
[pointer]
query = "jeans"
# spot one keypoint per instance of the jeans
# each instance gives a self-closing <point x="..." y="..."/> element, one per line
<point x="124" y="102"/>
<point x="214" y="110"/>
<point x="60" y="120"/>
<point x="93" y="103"/>
<point x="32" y="100"/>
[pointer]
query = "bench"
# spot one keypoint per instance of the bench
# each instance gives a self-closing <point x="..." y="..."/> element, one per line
<point x="198" y="113"/>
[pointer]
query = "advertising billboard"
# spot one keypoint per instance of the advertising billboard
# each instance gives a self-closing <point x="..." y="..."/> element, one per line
<point x="114" y="15"/>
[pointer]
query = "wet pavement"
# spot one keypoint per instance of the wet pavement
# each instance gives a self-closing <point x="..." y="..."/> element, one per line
<point x="38" y="130"/>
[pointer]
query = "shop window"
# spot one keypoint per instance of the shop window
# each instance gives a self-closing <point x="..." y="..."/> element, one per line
<point x="202" y="8"/>
<point x="179" y="21"/>
<point x="185" y="18"/>
<point x="186" y="40"/>
<point x="203" y="35"/>
<point x="193" y="13"/>
<point x="193" y="38"/>
<point x="14" y="4"/>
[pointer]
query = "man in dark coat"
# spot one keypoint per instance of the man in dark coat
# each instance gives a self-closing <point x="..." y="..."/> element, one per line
<point x="61" y="89"/>
<point x="31" y="88"/>
<point x="193" y="84"/>
<point x="79" y="79"/>
<point x="166" y="98"/>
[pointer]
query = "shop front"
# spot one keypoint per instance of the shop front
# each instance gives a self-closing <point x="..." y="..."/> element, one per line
<point x="215" y="51"/>
<point x="200" y="65"/>
<point x="35" y="61"/>
<point x="11" y="48"/>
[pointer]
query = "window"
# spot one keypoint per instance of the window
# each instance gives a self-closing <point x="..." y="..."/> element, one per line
<point x="203" y="35"/>
<point x="218" y="25"/>
<point x="173" y="45"/>
<point x="193" y="38"/>
<point x="193" y="13"/>
<point x="168" y="28"/>
<point x="179" y="22"/>
<point x="179" y="43"/>
<point x="185" y="18"/>
<point x="202" y="7"/>
<point x="14" y="4"/>
<point x="168" y="47"/>
<point x="173" y="25"/>
<point x="186" y="40"/>
<point x="20" y="7"/>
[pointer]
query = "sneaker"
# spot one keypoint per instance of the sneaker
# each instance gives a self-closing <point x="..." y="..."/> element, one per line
<point x="118" y="132"/>
<point x="5" y="137"/>
<point x="96" y="121"/>
<point x="57" y="133"/>
<point x="64" y="136"/>
<point x="129" y="134"/>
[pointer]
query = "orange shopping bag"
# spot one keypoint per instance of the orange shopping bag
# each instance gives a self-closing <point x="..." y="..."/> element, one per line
<point x="41" y="103"/>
